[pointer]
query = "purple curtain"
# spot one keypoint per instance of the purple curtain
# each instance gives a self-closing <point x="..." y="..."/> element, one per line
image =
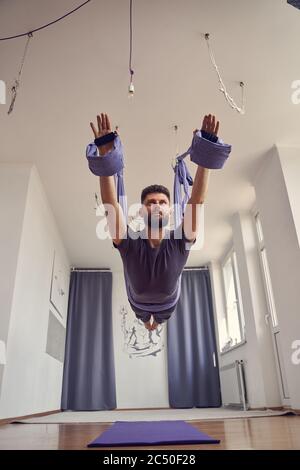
<point x="89" y="373"/>
<point x="193" y="371"/>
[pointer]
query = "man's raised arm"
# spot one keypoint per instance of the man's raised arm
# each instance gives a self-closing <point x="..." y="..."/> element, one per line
<point x="191" y="219"/>
<point x="114" y="213"/>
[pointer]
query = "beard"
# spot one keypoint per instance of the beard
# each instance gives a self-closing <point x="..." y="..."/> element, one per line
<point x="154" y="222"/>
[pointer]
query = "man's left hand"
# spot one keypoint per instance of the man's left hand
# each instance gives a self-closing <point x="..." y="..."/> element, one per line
<point x="209" y="125"/>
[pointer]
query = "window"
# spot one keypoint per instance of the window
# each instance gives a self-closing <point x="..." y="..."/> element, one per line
<point x="265" y="270"/>
<point x="233" y="326"/>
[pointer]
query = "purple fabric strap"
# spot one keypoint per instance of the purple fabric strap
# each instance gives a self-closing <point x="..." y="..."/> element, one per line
<point x="295" y="3"/>
<point x="110" y="164"/>
<point x="203" y="152"/>
<point x="208" y="154"/>
<point x="184" y="178"/>
<point x="105" y="165"/>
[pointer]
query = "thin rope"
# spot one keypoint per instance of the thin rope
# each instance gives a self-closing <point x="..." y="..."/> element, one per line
<point x="46" y="25"/>
<point x="16" y="85"/>
<point x="228" y="98"/>
<point x="130" y="46"/>
<point x="174" y="161"/>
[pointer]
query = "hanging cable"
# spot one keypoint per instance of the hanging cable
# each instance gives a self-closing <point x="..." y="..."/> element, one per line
<point x="131" y="86"/>
<point x="16" y="85"/>
<point x="174" y="159"/>
<point x="228" y="98"/>
<point x="46" y="25"/>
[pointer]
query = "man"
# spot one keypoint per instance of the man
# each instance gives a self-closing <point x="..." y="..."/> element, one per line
<point x="154" y="258"/>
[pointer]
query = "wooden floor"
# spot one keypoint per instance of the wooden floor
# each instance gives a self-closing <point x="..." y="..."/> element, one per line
<point x="282" y="432"/>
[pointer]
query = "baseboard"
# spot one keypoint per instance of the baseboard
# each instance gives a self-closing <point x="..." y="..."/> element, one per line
<point x="36" y="415"/>
<point x="264" y="408"/>
<point x="142" y="409"/>
<point x="276" y="408"/>
<point x="293" y="410"/>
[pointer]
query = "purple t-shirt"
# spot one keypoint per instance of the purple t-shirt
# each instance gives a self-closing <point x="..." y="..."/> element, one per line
<point x="153" y="275"/>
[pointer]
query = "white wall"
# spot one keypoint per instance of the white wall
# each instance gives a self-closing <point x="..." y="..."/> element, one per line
<point x="290" y="164"/>
<point x="14" y="179"/>
<point x="141" y="382"/>
<point x="257" y="352"/>
<point x="32" y="379"/>
<point x="279" y="228"/>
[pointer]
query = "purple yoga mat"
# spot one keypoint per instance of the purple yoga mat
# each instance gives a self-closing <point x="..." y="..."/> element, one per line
<point x="138" y="433"/>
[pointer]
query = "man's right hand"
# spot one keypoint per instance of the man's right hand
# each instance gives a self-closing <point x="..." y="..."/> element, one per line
<point x="103" y="129"/>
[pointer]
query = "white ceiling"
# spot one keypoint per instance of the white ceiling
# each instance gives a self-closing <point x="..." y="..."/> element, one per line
<point x="79" y="67"/>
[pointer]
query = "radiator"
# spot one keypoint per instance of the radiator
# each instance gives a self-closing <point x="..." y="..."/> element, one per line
<point x="233" y="386"/>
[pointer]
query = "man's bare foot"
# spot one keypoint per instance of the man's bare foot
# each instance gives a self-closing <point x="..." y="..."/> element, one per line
<point x="154" y="325"/>
<point x="148" y="325"/>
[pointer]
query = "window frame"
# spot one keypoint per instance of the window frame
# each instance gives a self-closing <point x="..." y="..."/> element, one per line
<point x="265" y="270"/>
<point x="231" y="254"/>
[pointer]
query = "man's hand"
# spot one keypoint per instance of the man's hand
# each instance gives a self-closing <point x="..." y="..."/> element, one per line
<point x="209" y="125"/>
<point x="103" y="129"/>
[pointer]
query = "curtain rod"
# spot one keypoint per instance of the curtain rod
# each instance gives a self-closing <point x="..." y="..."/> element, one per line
<point x="203" y="268"/>
<point x="91" y="270"/>
<point x="105" y="270"/>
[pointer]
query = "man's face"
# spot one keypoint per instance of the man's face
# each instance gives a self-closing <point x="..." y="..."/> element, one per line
<point x="156" y="210"/>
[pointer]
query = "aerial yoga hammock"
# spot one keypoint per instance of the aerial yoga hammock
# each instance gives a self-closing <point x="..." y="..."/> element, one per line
<point x="206" y="150"/>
